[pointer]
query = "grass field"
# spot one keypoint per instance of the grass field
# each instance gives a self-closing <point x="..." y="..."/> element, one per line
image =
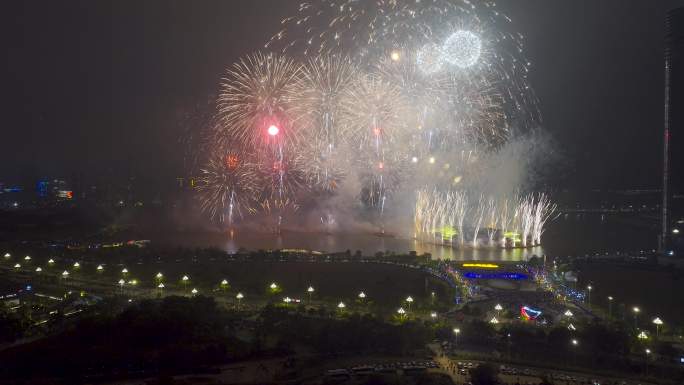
<point x="385" y="285"/>
<point x="655" y="292"/>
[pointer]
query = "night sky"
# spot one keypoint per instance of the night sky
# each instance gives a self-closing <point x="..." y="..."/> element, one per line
<point x="100" y="88"/>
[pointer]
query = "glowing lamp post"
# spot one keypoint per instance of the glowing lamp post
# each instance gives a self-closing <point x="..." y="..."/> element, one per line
<point x="159" y="277"/>
<point x="124" y="272"/>
<point x="39" y="269"/>
<point x="27" y="258"/>
<point x="636" y="311"/>
<point x="224" y="285"/>
<point x="642" y="336"/>
<point x="161" y="288"/>
<point x="589" y="294"/>
<point x="409" y="301"/>
<point x="362" y="296"/>
<point x="648" y="353"/>
<point x="121" y="285"/>
<point x="575" y="344"/>
<point x="8" y="255"/>
<point x="239" y="297"/>
<point x="76" y="265"/>
<point x="610" y="306"/>
<point x="99" y="268"/>
<point x="17" y="266"/>
<point x="309" y="292"/>
<point x="51" y="261"/>
<point x="658" y="323"/>
<point x="493" y="321"/>
<point x="401" y="312"/>
<point x="341" y="306"/>
<point x="498" y="309"/>
<point x="185" y="280"/>
<point x="194" y="291"/>
<point x="457" y="331"/>
<point x="433" y="315"/>
<point x="395" y="56"/>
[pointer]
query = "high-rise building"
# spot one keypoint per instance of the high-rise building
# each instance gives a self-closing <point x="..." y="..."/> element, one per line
<point x="673" y="154"/>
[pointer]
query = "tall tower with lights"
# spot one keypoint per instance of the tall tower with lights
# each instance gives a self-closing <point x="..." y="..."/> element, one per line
<point x="673" y="135"/>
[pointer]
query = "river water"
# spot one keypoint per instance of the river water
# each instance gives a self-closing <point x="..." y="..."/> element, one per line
<point x="571" y="234"/>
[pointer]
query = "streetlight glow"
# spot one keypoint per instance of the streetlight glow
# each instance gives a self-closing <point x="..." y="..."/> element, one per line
<point x="362" y="295"/>
<point x="341" y="305"/>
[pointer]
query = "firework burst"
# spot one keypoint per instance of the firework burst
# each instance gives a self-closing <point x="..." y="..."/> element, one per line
<point x="229" y="187"/>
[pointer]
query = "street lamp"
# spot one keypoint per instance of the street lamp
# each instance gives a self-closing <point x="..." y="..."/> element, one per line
<point x="224" y="285"/>
<point x="121" y="284"/>
<point x="642" y="336"/>
<point x="498" y="309"/>
<point x="160" y="287"/>
<point x="184" y="281"/>
<point x="76" y="265"/>
<point x="341" y="305"/>
<point x="159" y="276"/>
<point x="17" y="266"/>
<point x="568" y="313"/>
<point x="27" y="258"/>
<point x="362" y="296"/>
<point x="589" y="294"/>
<point x="658" y="322"/>
<point x="39" y="269"/>
<point x="636" y="311"/>
<point x="648" y="352"/>
<point x="65" y="274"/>
<point x="610" y="306"/>
<point x="309" y="292"/>
<point x="433" y="315"/>
<point x="574" y="351"/>
<point x="494" y="321"/>
<point x="124" y="271"/>
<point x="401" y="312"/>
<point x="51" y="261"/>
<point x="99" y="268"/>
<point x="7" y="255"/>
<point x="239" y="297"/>
<point x="194" y="291"/>
<point x="409" y="300"/>
<point x="457" y="331"/>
